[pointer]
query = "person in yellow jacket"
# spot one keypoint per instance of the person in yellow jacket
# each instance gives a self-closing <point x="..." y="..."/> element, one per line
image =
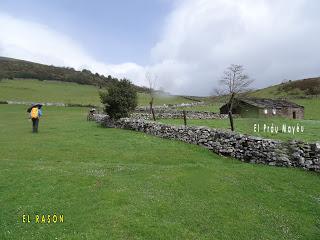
<point x="35" y="114"/>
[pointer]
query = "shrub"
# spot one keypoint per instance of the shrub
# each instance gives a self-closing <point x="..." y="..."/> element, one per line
<point x="120" y="99"/>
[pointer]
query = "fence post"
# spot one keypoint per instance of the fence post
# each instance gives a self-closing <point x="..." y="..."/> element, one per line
<point x="153" y="115"/>
<point x="184" y="117"/>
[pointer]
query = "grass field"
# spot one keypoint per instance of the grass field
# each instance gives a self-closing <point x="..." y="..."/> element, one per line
<point x="311" y="107"/>
<point x="212" y="107"/>
<point x="118" y="184"/>
<point x="144" y="99"/>
<point x="48" y="91"/>
<point x="63" y="92"/>
<point x="311" y="131"/>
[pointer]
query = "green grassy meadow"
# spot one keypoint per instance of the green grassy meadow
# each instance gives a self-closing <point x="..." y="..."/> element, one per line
<point x="144" y="99"/>
<point x="63" y="92"/>
<point x="211" y="107"/>
<point x="311" y="107"/>
<point x="48" y="91"/>
<point x="119" y="184"/>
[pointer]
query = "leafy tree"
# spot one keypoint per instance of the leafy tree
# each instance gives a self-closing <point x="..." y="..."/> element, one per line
<point x="120" y="99"/>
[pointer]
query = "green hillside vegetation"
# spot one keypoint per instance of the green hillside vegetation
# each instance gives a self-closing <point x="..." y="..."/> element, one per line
<point x="291" y="89"/>
<point x="311" y="107"/>
<point x="211" y="107"/>
<point x="159" y="99"/>
<point x="155" y="189"/>
<point x="71" y="93"/>
<point x="48" y="91"/>
<point x="13" y="68"/>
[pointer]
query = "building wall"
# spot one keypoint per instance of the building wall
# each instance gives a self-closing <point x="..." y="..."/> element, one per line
<point x="247" y="110"/>
<point x="299" y="112"/>
<point x="242" y="109"/>
<point x="283" y="112"/>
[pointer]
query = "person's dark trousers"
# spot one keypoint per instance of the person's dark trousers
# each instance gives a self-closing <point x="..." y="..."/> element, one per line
<point x="35" y="123"/>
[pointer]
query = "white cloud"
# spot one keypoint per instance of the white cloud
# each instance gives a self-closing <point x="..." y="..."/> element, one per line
<point x="36" y="42"/>
<point x="273" y="39"/>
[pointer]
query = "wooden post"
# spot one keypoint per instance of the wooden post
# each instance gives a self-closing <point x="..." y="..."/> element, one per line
<point x="184" y="117"/>
<point x="151" y="109"/>
<point x="153" y="115"/>
<point x="230" y="111"/>
<point x="231" y="120"/>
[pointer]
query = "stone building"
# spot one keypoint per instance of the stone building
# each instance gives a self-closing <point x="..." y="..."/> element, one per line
<point x="263" y="107"/>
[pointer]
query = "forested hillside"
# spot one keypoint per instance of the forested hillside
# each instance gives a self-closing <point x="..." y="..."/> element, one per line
<point x="13" y="68"/>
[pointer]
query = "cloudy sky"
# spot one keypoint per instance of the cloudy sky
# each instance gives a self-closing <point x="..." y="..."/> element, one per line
<point x="186" y="43"/>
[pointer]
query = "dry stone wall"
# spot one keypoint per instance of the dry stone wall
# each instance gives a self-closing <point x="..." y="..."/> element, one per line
<point x="176" y="114"/>
<point x="169" y="106"/>
<point x="243" y="147"/>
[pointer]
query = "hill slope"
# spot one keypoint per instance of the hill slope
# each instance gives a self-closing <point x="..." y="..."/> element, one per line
<point x="32" y="90"/>
<point x="13" y="68"/>
<point x="303" y="88"/>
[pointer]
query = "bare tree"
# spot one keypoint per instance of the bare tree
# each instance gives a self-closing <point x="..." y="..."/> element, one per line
<point x="233" y="82"/>
<point x="152" y="81"/>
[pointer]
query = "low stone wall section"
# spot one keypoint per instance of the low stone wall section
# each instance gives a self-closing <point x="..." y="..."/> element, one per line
<point x="169" y="106"/>
<point x="243" y="147"/>
<point x="177" y="114"/>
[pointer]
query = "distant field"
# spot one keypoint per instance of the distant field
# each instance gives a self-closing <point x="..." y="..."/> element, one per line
<point x="63" y="92"/>
<point x="119" y="184"/>
<point x="48" y="91"/>
<point x="144" y="99"/>
<point x="246" y="125"/>
<point x="211" y="107"/>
